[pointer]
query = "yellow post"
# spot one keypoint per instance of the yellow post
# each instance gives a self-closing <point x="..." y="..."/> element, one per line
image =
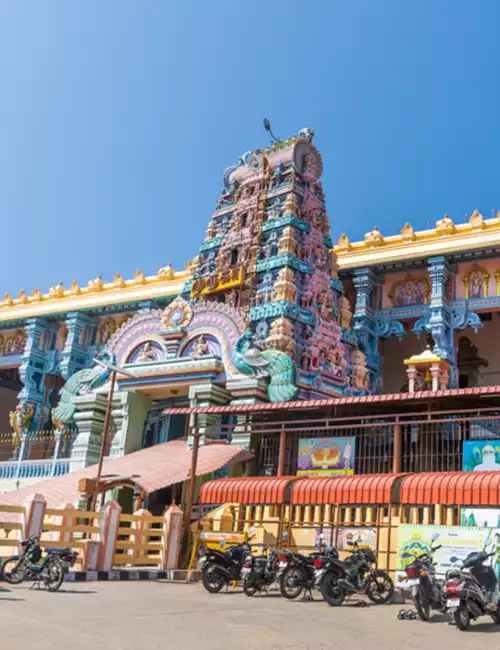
<point x="318" y="519"/>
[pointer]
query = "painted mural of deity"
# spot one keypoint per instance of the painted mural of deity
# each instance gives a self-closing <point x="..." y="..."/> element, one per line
<point x="148" y="351"/>
<point x="411" y="291"/>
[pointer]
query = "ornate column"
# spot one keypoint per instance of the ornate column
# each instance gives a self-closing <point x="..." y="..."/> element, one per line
<point x="129" y="413"/>
<point x="207" y="395"/>
<point x="440" y="323"/>
<point x="364" y="321"/>
<point x="34" y="366"/>
<point x="90" y="423"/>
<point x="76" y="354"/>
<point x="248" y="390"/>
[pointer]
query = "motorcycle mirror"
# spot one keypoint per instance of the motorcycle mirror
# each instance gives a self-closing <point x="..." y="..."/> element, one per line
<point x="453" y="559"/>
<point x="222" y="543"/>
<point x="405" y="555"/>
<point x="435" y="537"/>
<point x="252" y="528"/>
<point x="284" y="533"/>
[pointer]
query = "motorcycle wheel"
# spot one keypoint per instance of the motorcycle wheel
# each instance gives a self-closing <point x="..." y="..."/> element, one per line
<point x="462" y="618"/>
<point x="249" y="588"/>
<point x="332" y="592"/>
<point x="291" y="583"/>
<point x="422" y="604"/>
<point x="53" y="574"/>
<point x="496" y="616"/>
<point x="380" y="590"/>
<point x="13" y="570"/>
<point x="212" y="579"/>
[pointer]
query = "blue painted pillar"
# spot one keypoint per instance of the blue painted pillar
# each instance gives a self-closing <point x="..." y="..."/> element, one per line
<point x="77" y="353"/>
<point x="34" y="366"/>
<point x="440" y="324"/>
<point x="365" y="323"/>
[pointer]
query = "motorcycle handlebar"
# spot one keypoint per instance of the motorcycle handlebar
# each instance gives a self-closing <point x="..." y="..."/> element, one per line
<point x="436" y="548"/>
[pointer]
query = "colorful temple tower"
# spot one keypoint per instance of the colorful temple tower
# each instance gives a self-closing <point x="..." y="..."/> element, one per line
<point x="267" y="253"/>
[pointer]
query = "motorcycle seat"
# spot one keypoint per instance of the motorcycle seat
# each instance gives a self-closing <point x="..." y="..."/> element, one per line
<point x="57" y="550"/>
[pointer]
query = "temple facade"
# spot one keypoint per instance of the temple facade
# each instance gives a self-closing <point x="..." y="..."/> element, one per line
<point x="267" y="311"/>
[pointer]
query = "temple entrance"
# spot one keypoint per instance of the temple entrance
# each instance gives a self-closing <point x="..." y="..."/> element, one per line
<point x="160" y="427"/>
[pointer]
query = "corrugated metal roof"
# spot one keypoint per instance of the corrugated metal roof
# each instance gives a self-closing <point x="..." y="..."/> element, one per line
<point x="452" y="488"/>
<point x="365" y="489"/>
<point x="303" y="405"/>
<point x="157" y="467"/>
<point x="252" y="489"/>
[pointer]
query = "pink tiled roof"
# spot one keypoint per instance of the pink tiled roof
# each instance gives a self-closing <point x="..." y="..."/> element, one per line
<point x="156" y="467"/>
<point x="307" y="405"/>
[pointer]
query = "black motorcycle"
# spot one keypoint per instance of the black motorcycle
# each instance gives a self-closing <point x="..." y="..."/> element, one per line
<point x="426" y="591"/>
<point x="30" y="565"/>
<point x="467" y="590"/>
<point x="220" y="568"/>
<point x="356" y="575"/>
<point x="298" y="573"/>
<point x="259" y="572"/>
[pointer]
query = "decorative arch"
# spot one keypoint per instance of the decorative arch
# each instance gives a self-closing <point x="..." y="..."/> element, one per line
<point x="476" y="282"/>
<point x="410" y="291"/>
<point x="138" y="329"/>
<point x="145" y="348"/>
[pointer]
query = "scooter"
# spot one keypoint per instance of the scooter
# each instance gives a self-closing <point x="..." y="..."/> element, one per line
<point x="467" y="588"/>
<point x="426" y="591"/>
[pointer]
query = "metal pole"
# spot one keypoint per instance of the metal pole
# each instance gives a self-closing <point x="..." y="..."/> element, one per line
<point x="104" y="439"/>
<point x="396" y="461"/>
<point x="192" y="479"/>
<point x="281" y="457"/>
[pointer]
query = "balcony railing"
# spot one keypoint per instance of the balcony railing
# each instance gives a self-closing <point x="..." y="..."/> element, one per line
<point x="33" y="469"/>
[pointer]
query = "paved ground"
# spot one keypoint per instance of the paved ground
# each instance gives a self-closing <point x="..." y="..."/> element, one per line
<point x="156" y="616"/>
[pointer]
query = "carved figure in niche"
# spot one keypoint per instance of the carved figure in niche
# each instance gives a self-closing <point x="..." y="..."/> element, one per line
<point x="201" y="348"/>
<point x="106" y="330"/>
<point x="399" y="298"/>
<point x="476" y="288"/>
<point x="147" y="353"/>
<point x="410" y="291"/>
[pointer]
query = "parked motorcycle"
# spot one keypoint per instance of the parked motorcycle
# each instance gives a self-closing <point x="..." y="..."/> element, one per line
<point x="426" y="591"/>
<point x="471" y="591"/>
<point x="259" y="572"/>
<point x="356" y="575"/>
<point x="298" y="573"/>
<point x="220" y="568"/>
<point x="30" y="565"/>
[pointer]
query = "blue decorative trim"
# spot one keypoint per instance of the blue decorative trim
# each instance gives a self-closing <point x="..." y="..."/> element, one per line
<point x="327" y="241"/>
<point x="462" y="318"/>
<point x="337" y="285"/>
<point x="349" y="337"/>
<point x="421" y="326"/>
<point x="281" y="308"/>
<point x="212" y="243"/>
<point x="288" y="220"/>
<point x="386" y="329"/>
<point x="286" y="259"/>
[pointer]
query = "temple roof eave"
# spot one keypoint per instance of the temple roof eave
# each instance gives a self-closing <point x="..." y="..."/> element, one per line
<point x="110" y="294"/>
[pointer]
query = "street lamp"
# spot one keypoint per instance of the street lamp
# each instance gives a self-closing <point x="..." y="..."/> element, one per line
<point x="114" y="371"/>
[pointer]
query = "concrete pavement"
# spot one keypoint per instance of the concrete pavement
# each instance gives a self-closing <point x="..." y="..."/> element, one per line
<point x="158" y="616"/>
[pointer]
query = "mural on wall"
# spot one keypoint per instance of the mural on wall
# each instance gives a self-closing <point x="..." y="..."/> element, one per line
<point x="343" y="537"/>
<point x="326" y="456"/>
<point x="13" y="343"/>
<point x="410" y="291"/>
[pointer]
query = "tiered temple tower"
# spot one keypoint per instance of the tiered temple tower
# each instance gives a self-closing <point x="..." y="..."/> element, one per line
<point x="267" y="252"/>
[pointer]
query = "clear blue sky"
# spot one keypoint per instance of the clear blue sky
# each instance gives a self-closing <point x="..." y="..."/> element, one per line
<point x="117" y="119"/>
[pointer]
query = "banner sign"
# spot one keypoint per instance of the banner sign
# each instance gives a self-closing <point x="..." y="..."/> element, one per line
<point x="326" y="456"/>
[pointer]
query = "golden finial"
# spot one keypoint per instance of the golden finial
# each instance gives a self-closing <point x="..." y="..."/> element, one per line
<point x="57" y="291"/>
<point x="290" y="207"/>
<point x="445" y="226"/>
<point x="37" y="295"/>
<point x="343" y="242"/>
<point x="74" y="288"/>
<point x="268" y="150"/>
<point x="274" y="147"/>
<point x="374" y="238"/>
<point x="287" y="142"/>
<point x="280" y="145"/>
<point x="407" y="232"/>
<point x="96" y="285"/>
<point x="139" y="277"/>
<point x="8" y="299"/>
<point x="476" y="220"/>
<point x="118" y="280"/>
<point x="166" y="272"/>
<point x="22" y="297"/>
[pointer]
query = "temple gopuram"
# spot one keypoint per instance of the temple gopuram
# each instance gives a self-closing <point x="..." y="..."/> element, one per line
<point x="270" y="336"/>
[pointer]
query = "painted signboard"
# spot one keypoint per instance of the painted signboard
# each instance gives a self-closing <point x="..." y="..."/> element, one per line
<point x="456" y="542"/>
<point x="481" y="455"/>
<point x="363" y="536"/>
<point x="326" y="456"/>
